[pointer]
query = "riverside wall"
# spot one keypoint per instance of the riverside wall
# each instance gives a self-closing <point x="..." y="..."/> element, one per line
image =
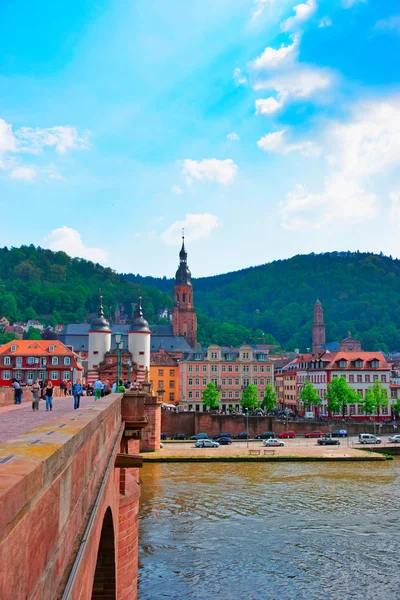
<point x="191" y="423"/>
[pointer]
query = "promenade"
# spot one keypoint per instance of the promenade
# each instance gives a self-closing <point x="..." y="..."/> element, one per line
<point x="18" y="418"/>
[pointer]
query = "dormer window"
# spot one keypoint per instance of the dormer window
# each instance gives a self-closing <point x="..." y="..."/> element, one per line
<point x="52" y="348"/>
<point x="229" y="356"/>
<point x="374" y="363"/>
<point x="261" y="356"/>
<point x="358" y="364"/>
<point x="342" y="363"/>
<point x="13" y="348"/>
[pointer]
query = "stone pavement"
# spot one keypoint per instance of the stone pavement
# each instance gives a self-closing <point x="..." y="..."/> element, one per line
<point x="16" y="419"/>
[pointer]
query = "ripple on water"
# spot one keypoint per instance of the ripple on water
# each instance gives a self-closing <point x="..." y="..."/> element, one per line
<point x="260" y="532"/>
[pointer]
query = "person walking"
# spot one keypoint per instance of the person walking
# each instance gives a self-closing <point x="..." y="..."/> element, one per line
<point x="49" y="396"/>
<point x="107" y="388"/>
<point x="36" y="395"/>
<point x="17" y="391"/>
<point x="77" y="390"/>
<point x="62" y="387"/>
<point x="98" y="387"/>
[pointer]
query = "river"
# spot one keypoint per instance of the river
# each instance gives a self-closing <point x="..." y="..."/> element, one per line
<point x="270" y="531"/>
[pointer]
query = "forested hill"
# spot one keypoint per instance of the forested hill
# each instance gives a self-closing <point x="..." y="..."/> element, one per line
<point x="359" y="292"/>
<point x="58" y="289"/>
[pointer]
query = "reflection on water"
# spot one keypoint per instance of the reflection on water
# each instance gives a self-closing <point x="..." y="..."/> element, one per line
<point x="261" y="532"/>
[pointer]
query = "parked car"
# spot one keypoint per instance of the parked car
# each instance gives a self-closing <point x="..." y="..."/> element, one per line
<point x="163" y="436"/>
<point x="287" y="434"/>
<point x="340" y="433"/>
<point x="395" y="439"/>
<point x="327" y="440"/>
<point x="205" y="443"/>
<point x="266" y="435"/>
<point x="315" y="434"/>
<point x="222" y="434"/>
<point x="368" y="438"/>
<point x="242" y="436"/>
<point x="273" y="442"/>
<point x="200" y="436"/>
<point x="224" y="441"/>
<point x="179" y="436"/>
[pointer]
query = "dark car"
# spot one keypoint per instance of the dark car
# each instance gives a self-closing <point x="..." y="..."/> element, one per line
<point x="242" y="436"/>
<point x="224" y="441"/>
<point x="200" y="436"/>
<point x="163" y="436"/>
<point x="340" y="433"/>
<point x="222" y="434"/>
<point x="179" y="436"/>
<point x="328" y="441"/>
<point x="266" y="435"/>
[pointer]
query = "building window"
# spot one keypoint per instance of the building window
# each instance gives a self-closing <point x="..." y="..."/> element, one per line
<point x="7" y="360"/>
<point x="237" y="395"/>
<point x="255" y="369"/>
<point x="197" y="381"/>
<point x="255" y="381"/>
<point x="190" y="368"/>
<point x="223" y="381"/>
<point x="223" y="393"/>
<point x="197" y="369"/>
<point x="236" y="380"/>
<point x="268" y="381"/>
<point x="160" y="372"/>
<point x="229" y="356"/>
<point x="236" y="368"/>
<point x="246" y="381"/>
<point x="204" y="369"/>
<point x="352" y="410"/>
<point x="230" y="394"/>
<point x="42" y="375"/>
<point x="262" y="394"/>
<point x="351" y="378"/>
<point x="54" y="375"/>
<point x="172" y="383"/>
<point x="66" y="375"/>
<point x="51" y="348"/>
<point x="197" y="394"/>
<point x="171" y="372"/>
<point x="223" y="368"/>
<point x="230" y="381"/>
<point x="214" y="369"/>
<point x="204" y="380"/>
<point x="141" y="353"/>
<point x="54" y="360"/>
<point x="215" y="380"/>
<point x="190" y="395"/>
<point x="360" y="393"/>
<point x="160" y="384"/>
<point x="67" y="360"/>
<point x="214" y="355"/>
<point x="384" y="410"/>
<point x="268" y="368"/>
<point x="375" y="377"/>
<point x="383" y="378"/>
<point x="367" y="379"/>
<point x="18" y="375"/>
<point x="172" y="396"/>
<point x="246" y="369"/>
<point x="261" y="380"/>
<point x="13" y="348"/>
<point x="245" y="356"/>
<point x="6" y="374"/>
<point x="230" y="368"/>
<point x="374" y="364"/>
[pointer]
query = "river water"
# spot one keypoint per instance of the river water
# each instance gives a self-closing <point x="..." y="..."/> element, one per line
<point x="267" y="531"/>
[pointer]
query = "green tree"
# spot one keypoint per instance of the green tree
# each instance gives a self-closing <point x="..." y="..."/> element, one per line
<point x="269" y="400"/>
<point x="376" y="397"/>
<point x="7" y="337"/>
<point x="339" y="395"/>
<point x="309" y="396"/>
<point x="29" y="314"/>
<point x="250" y="398"/>
<point x="33" y="334"/>
<point x="396" y="407"/>
<point x="211" y="396"/>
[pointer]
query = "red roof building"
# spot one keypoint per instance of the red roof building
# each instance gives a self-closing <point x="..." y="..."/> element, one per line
<point x="27" y="360"/>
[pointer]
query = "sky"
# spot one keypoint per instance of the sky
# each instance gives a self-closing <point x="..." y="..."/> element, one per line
<point x="264" y="128"/>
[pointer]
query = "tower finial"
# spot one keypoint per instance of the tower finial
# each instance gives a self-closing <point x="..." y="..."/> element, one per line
<point x="101" y="310"/>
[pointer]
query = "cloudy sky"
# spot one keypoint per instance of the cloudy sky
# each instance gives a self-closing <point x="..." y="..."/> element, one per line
<point x="265" y="128"/>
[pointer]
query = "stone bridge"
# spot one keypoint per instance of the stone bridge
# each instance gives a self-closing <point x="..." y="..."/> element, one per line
<point x="69" y="499"/>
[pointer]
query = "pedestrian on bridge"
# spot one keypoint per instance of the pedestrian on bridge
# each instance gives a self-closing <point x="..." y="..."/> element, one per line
<point x="98" y="388"/>
<point x="77" y="390"/>
<point x="36" y="394"/>
<point x="17" y="391"/>
<point x="49" y="396"/>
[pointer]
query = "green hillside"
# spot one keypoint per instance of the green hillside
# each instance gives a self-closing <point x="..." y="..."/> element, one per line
<point x="40" y="283"/>
<point x="359" y="292"/>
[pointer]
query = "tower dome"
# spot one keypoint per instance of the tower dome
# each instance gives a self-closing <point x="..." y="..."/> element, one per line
<point x="100" y="323"/>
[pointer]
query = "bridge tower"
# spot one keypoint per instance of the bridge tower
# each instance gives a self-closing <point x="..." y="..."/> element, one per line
<point x="139" y="342"/>
<point x="99" y="342"/>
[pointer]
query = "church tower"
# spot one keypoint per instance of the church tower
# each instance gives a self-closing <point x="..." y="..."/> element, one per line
<point x="318" y="328"/>
<point x="99" y="342"/>
<point x="184" y="320"/>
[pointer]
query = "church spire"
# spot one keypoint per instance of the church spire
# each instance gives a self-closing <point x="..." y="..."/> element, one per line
<point x="183" y="274"/>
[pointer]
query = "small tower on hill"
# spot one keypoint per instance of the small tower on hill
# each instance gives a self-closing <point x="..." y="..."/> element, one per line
<point x="184" y="320"/>
<point x="318" y="328"/>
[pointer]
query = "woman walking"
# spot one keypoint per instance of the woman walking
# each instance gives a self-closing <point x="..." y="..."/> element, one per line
<point x="77" y="391"/>
<point x="36" y="395"/>
<point x="49" y="396"/>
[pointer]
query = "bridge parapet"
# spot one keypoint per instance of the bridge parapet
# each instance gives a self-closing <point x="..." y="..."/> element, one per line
<point x="141" y="411"/>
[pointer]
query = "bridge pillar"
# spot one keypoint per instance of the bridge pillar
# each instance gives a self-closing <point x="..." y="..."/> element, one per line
<point x="141" y="410"/>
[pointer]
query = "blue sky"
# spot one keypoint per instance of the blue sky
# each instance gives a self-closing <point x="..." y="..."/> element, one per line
<point x="266" y="128"/>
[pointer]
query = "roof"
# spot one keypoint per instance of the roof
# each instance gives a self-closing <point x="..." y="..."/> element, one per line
<point x="334" y="358"/>
<point x="36" y="348"/>
<point x="163" y="359"/>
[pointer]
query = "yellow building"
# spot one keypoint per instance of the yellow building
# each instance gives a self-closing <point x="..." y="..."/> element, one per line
<point x="164" y="376"/>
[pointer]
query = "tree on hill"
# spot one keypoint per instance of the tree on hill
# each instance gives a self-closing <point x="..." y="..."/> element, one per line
<point x="210" y="396"/>
<point x="339" y="395"/>
<point x="269" y="401"/>
<point x="250" y="398"/>
<point x="7" y="337"/>
<point x="309" y="395"/>
<point x="33" y="334"/>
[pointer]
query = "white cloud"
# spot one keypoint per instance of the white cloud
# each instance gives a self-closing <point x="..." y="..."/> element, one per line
<point x="274" y="59"/>
<point x="325" y="22"/>
<point x="160" y="218"/>
<point x="268" y="106"/>
<point x="233" y="137"/>
<point x="176" y="189"/>
<point x="239" y="78"/>
<point x="196" y="226"/>
<point x="275" y="143"/>
<point x="299" y="82"/>
<point x="259" y="7"/>
<point x="210" y="169"/>
<point x="62" y="138"/>
<point x="358" y="152"/>
<point x="392" y="24"/>
<point x="303" y="12"/>
<point x="23" y="173"/>
<point x="394" y="198"/>
<point x="350" y="3"/>
<point x="69" y="240"/>
<point x="7" y="139"/>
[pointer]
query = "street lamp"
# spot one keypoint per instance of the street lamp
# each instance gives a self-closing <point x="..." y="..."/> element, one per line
<point x="247" y="427"/>
<point x="118" y="342"/>
<point x="129" y="363"/>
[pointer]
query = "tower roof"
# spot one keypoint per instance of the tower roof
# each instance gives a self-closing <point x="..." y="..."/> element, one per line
<point x="100" y="323"/>
<point x="183" y="275"/>
<point x="139" y="323"/>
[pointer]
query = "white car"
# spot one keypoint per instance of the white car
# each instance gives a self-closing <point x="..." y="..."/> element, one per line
<point x="206" y="444"/>
<point x="395" y="439"/>
<point x="273" y="442"/>
<point x="368" y="438"/>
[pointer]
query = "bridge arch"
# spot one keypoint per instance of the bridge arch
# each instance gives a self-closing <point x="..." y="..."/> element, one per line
<point x="104" y="583"/>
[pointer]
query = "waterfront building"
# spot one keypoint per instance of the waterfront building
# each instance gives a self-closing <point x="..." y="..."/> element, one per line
<point x="164" y="376"/>
<point x="231" y="369"/>
<point x="27" y="360"/>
